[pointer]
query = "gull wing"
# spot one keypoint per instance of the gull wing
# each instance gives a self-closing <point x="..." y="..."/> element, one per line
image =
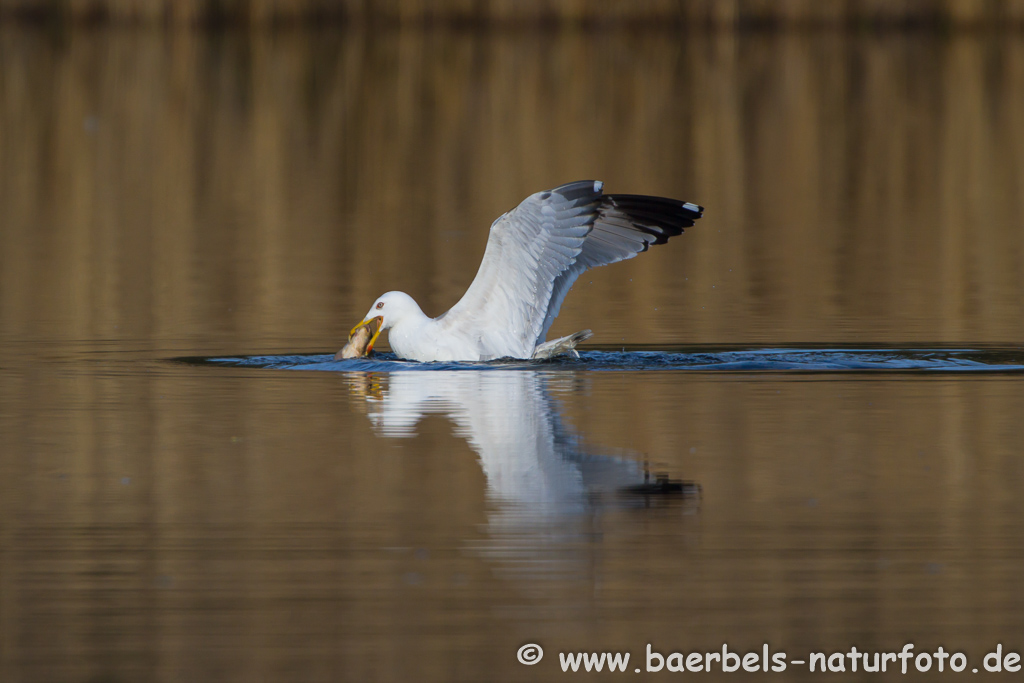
<point x="528" y="248"/>
<point x="625" y="226"/>
<point x="536" y="251"/>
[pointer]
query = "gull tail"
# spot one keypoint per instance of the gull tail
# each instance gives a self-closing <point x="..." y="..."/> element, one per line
<point x="564" y="345"/>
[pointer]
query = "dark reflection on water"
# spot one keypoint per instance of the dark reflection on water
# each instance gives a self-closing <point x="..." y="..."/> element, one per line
<point x="173" y="194"/>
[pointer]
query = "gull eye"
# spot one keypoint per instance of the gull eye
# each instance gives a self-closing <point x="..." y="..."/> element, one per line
<point x="380" y="305"/>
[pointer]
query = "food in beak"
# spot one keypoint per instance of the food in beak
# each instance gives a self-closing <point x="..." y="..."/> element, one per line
<point x="360" y="340"/>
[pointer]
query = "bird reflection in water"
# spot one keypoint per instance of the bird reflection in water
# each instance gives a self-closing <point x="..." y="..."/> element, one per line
<point x="548" y="489"/>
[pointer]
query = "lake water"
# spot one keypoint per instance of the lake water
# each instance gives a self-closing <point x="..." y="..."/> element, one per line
<point x="799" y="424"/>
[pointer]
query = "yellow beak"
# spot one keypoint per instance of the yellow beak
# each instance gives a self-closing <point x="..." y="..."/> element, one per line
<point x="378" y="321"/>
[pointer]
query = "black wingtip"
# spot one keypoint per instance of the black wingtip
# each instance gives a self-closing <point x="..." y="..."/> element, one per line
<point x="661" y="205"/>
<point x="660" y="217"/>
<point x="695" y="208"/>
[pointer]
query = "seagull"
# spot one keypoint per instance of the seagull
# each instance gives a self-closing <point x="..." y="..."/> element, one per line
<point x="534" y="254"/>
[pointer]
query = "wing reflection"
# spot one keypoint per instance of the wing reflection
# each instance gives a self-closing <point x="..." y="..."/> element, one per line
<point x="548" y="487"/>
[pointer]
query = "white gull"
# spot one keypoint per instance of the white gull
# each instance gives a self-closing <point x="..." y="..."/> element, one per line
<point x="534" y="254"/>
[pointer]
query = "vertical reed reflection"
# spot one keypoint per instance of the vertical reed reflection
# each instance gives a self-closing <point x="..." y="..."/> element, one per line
<point x="261" y="188"/>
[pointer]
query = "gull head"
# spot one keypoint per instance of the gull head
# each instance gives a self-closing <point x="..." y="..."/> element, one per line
<point x="388" y="310"/>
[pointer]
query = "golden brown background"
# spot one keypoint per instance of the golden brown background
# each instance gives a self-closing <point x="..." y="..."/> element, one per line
<point x="704" y="13"/>
<point x="171" y="192"/>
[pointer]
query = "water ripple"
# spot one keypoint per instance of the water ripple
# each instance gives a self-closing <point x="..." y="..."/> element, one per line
<point x="794" y="359"/>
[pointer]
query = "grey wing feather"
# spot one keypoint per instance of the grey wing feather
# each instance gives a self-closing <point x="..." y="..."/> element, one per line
<point x="625" y="225"/>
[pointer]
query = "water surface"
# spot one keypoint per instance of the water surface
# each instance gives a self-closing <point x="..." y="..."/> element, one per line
<point x="825" y="372"/>
<point x="823" y="360"/>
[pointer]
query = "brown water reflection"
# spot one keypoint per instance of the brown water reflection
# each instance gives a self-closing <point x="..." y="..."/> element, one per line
<point x="180" y="193"/>
<point x="858" y="188"/>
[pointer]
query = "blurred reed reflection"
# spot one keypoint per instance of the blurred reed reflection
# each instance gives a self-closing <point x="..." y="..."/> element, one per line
<point x="704" y="14"/>
<point x="257" y="190"/>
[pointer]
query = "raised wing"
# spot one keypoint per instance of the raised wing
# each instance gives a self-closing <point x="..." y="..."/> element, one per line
<point x="625" y="225"/>
<point x="536" y="251"/>
<point x="529" y="247"/>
